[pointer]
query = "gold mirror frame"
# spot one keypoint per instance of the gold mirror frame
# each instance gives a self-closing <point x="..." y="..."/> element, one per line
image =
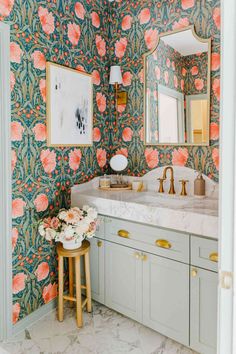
<point x="145" y="55"/>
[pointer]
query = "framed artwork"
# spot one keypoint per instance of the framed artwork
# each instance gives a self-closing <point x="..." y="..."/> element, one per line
<point x="69" y="106"/>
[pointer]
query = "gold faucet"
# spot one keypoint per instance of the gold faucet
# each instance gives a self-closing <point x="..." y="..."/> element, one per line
<point x="172" y="184"/>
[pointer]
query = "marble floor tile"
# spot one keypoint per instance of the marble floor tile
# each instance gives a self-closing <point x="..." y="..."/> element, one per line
<point x="104" y="332"/>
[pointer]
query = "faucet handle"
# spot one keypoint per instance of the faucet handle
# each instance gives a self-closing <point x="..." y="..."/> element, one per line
<point x="183" y="190"/>
<point x="161" y="186"/>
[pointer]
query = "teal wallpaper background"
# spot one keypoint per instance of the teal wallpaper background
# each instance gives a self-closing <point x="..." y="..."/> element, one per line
<point x="87" y="35"/>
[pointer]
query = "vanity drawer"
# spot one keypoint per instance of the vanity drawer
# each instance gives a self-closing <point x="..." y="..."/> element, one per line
<point x="100" y="231"/>
<point x="166" y="243"/>
<point x="204" y="253"/>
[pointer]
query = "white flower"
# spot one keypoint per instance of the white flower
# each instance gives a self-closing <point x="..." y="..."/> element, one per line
<point x="86" y="207"/>
<point x="81" y="228"/>
<point x="62" y="215"/>
<point x="69" y="232"/>
<point x="50" y="234"/>
<point x="41" y="230"/>
<point x="92" y="214"/>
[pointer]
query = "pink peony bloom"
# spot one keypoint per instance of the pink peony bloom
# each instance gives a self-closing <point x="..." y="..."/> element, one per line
<point x="80" y="10"/>
<point x="18" y="206"/>
<point x="6" y="7"/>
<point x="15" y="312"/>
<point x="96" y="77"/>
<point x="101" y="157"/>
<point x="16" y="131"/>
<point x="187" y="4"/>
<point x="39" y="60"/>
<point x="95" y="19"/>
<point x="54" y="223"/>
<point x="80" y="68"/>
<point x="216" y="88"/>
<point x="141" y="134"/>
<point x="101" y="45"/>
<point x="12" y="80"/>
<point x="13" y="160"/>
<point x="150" y="37"/>
<point x="194" y="70"/>
<point x="158" y="72"/>
<point x="215" y="61"/>
<point x="122" y="151"/>
<point x="215" y="157"/>
<point x="120" y="47"/>
<point x="166" y="77"/>
<point x="126" y="23"/>
<point x="42" y="87"/>
<point x="96" y="134"/>
<point x="46" y="19"/>
<point x="183" y="22"/>
<point x="39" y="131"/>
<point x="73" y="32"/>
<point x="168" y="62"/>
<point x="141" y="76"/>
<point x="180" y="157"/>
<point x="101" y="102"/>
<point x="42" y="271"/>
<point x="41" y="202"/>
<point x="127" y="134"/>
<point x="199" y="84"/>
<point x="214" y="131"/>
<point x="15" y="53"/>
<point x="49" y="292"/>
<point x="127" y="78"/>
<point x="14" y="237"/>
<point x="48" y="159"/>
<point x="151" y="157"/>
<point x="75" y="159"/>
<point x="217" y="17"/>
<point x="184" y="71"/>
<point x="18" y="282"/>
<point x="121" y="108"/>
<point x="144" y="16"/>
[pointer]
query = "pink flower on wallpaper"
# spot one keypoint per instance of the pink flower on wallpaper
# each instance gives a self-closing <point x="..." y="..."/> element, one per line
<point x="168" y="62"/>
<point x="194" y="70"/>
<point x="215" y="61"/>
<point x="16" y="131"/>
<point x="126" y="23"/>
<point x="96" y="134"/>
<point x="18" y="206"/>
<point x="6" y="7"/>
<point x="101" y="157"/>
<point x="150" y="37"/>
<point x="75" y="159"/>
<point x="141" y="134"/>
<point x="12" y="80"/>
<point x="179" y="157"/>
<point x="73" y="32"/>
<point x="187" y="4"/>
<point x="42" y="271"/>
<point x="166" y="77"/>
<point x="217" y="17"/>
<point x="122" y="151"/>
<point x="96" y="77"/>
<point x="49" y="292"/>
<point x="48" y="160"/>
<point x="101" y="102"/>
<point x="214" y="131"/>
<point x="121" y="108"/>
<point x="127" y="134"/>
<point x="80" y="10"/>
<point x="216" y="158"/>
<point x="216" y="88"/>
<point x="41" y="202"/>
<point x="39" y="60"/>
<point x="15" y="53"/>
<point x="95" y="19"/>
<point x="151" y="157"/>
<point x="183" y="22"/>
<point x="42" y="87"/>
<point x="141" y="76"/>
<point x="15" y="312"/>
<point x="101" y="45"/>
<point x="80" y="68"/>
<point x="40" y="132"/>
<point x="176" y="81"/>
<point x="127" y="78"/>
<point x="14" y="237"/>
<point x="199" y="84"/>
<point x="120" y="47"/>
<point x="144" y="16"/>
<point x="13" y="160"/>
<point x="46" y="19"/>
<point x="184" y="71"/>
<point x="182" y="84"/>
<point x="158" y="72"/>
<point x="18" y="282"/>
<point x="173" y="65"/>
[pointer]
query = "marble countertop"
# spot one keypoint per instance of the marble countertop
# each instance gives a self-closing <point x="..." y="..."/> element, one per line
<point x="189" y="214"/>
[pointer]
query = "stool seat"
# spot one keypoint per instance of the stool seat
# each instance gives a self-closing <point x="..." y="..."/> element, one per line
<point x="74" y="255"/>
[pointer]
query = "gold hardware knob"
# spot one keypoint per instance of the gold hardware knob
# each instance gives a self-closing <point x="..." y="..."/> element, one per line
<point x="163" y="244"/>
<point x="137" y="255"/>
<point x="143" y="257"/>
<point x="99" y="243"/>
<point x="194" y="272"/>
<point x="213" y="257"/>
<point x="161" y="186"/>
<point x="123" y="233"/>
<point x="183" y="190"/>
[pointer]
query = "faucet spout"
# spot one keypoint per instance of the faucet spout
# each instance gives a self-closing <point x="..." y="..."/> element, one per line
<point x="172" y="181"/>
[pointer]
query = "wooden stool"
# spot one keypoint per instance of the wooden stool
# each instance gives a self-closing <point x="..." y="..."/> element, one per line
<point x="76" y="254"/>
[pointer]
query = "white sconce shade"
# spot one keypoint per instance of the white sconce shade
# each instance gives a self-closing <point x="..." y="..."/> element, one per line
<point x="115" y="75"/>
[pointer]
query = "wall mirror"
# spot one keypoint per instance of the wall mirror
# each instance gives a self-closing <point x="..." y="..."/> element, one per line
<point x="177" y="89"/>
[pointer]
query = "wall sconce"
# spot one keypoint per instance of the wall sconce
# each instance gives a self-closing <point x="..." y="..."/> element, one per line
<point x="121" y="97"/>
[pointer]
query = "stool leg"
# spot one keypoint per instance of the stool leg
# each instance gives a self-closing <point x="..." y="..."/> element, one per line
<point x="78" y="292"/>
<point x="88" y="282"/>
<point x="61" y="285"/>
<point x="71" y="280"/>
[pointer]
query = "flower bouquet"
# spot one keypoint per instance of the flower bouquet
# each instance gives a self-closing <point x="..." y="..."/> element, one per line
<point x="70" y="227"/>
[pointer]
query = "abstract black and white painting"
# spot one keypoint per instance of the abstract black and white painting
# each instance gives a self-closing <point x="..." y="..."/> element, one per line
<point x="69" y="106"/>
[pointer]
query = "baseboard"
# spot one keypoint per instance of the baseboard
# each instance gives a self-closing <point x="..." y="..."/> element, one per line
<point x="33" y="317"/>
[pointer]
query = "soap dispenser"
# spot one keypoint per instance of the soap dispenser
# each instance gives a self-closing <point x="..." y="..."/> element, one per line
<point x="199" y="185"/>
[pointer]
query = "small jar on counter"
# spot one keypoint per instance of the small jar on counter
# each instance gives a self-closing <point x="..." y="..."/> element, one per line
<point x="105" y="181"/>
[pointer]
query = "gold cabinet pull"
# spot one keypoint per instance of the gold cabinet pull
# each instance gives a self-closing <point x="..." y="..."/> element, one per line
<point x="163" y="244"/>
<point x="143" y="257"/>
<point x="99" y="243"/>
<point x="213" y="257"/>
<point x="123" y="233"/>
<point x="194" y="272"/>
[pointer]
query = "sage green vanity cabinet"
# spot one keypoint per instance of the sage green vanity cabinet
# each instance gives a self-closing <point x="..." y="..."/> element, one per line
<point x="97" y="266"/>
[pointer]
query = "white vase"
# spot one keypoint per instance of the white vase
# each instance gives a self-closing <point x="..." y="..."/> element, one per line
<point x="72" y="244"/>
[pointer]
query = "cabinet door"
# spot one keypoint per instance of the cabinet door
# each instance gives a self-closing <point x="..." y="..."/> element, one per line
<point x="203" y="311"/>
<point x="166" y="297"/>
<point x="97" y="269"/>
<point x="123" y="276"/>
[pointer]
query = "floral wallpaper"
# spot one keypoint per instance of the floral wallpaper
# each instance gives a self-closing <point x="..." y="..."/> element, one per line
<point x="134" y="28"/>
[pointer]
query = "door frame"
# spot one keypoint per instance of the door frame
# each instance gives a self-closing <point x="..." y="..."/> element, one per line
<point x="5" y="186"/>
